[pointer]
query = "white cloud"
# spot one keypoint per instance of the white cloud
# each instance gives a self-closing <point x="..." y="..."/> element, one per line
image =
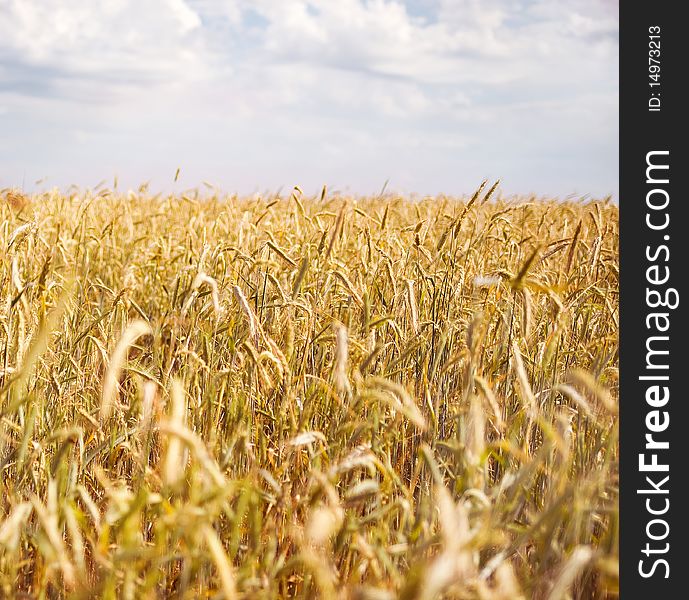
<point x="113" y="41"/>
<point x="420" y="90"/>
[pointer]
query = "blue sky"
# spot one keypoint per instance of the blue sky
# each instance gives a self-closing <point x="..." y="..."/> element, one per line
<point x="432" y="95"/>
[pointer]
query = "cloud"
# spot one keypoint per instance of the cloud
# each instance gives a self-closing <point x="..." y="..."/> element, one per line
<point x="48" y="45"/>
<point x="244" y="90"/>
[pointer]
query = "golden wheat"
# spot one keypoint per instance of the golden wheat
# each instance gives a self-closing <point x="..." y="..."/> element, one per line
<point x="326" y="397"/>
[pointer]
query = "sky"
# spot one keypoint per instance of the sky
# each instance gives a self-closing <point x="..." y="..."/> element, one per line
<point x="432" y="96"/>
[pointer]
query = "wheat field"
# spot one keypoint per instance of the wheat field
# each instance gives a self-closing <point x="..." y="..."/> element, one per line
<point x="208" y="396"/>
